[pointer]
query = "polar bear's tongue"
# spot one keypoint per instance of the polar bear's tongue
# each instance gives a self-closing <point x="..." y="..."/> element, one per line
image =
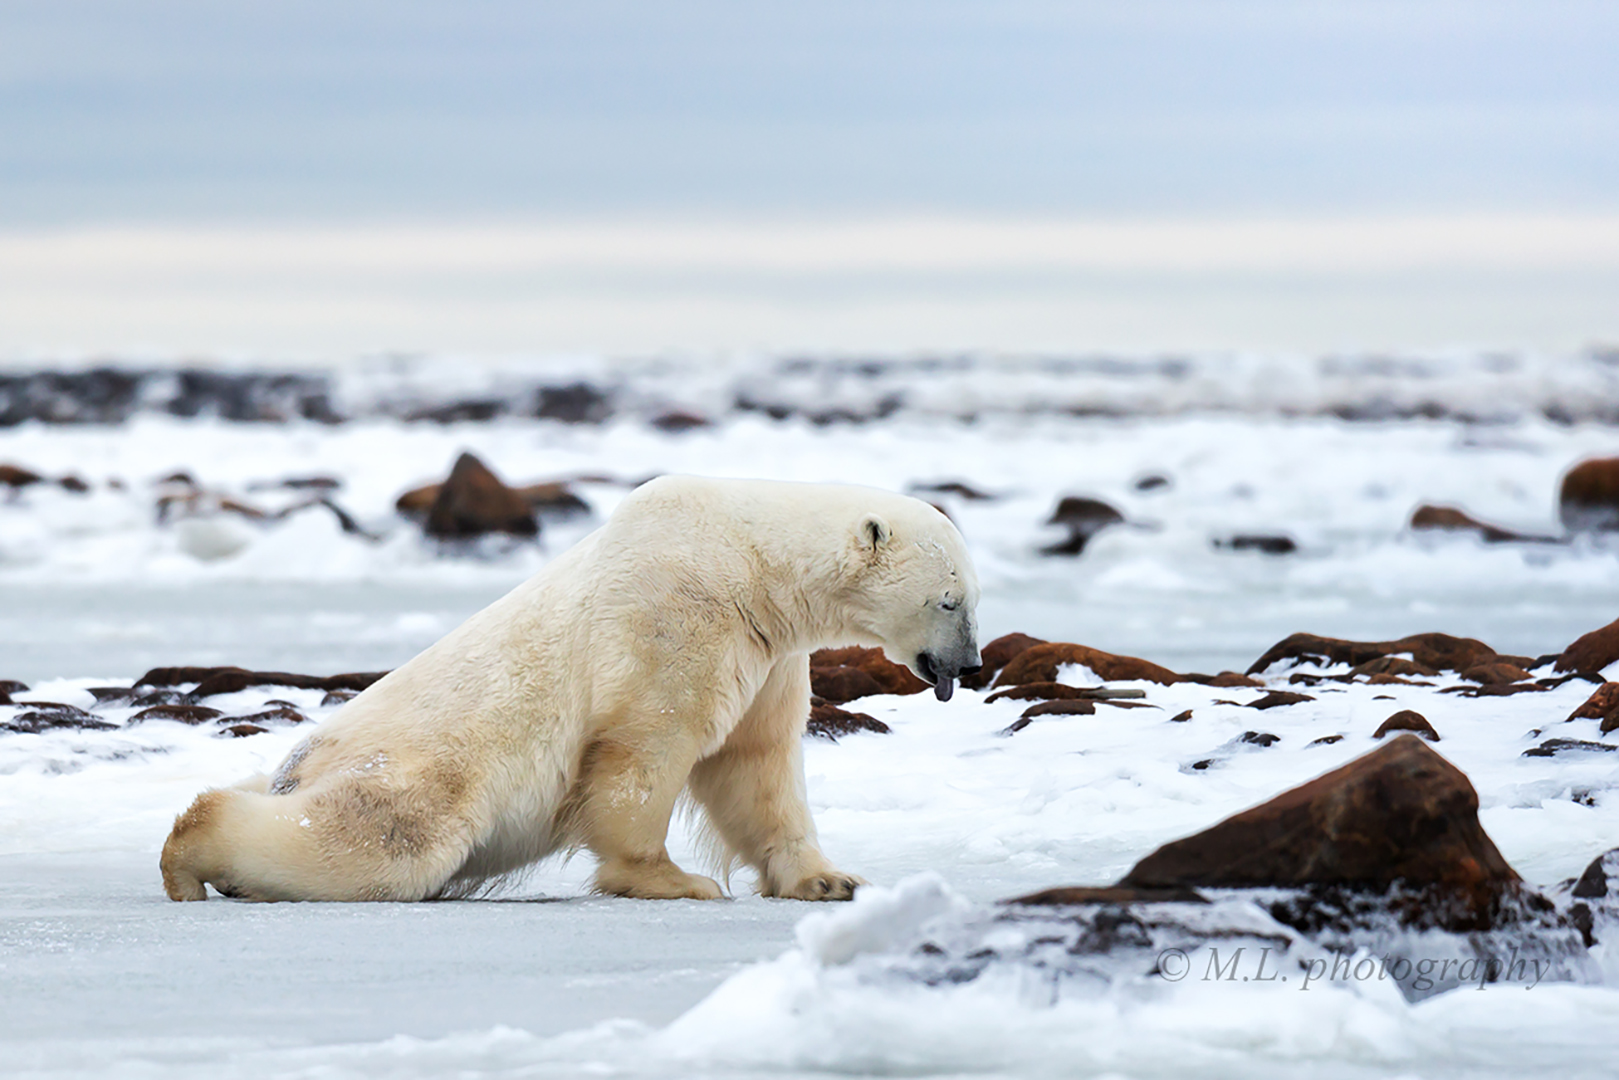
<point x="943" y="689"/>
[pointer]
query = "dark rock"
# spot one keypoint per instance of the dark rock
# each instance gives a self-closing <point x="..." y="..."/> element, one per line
<point x="1449" y="519"/>
<point x="281" y="714"/>
<point x="1602" y="705"/>
<point x="240" y="731"/>
<point x="300" y="483"/>
<point x="467" y="410"/>
<point x="1259" y="738"/>
<point x="1181" y="717"/>
<point x="12" y="686"/>
<point x="1440" y="652"/>
<point x="15" y="476"/>
<point x="1398" y="815"/>
<point x="185" y="714"/>
<point x="1553" y="747"/>
<point x="827" y="721"/>
<point x="676" y="421"/>
<point x="840" y="675"/>
<point x="1325" y="740"/>
<point x="1068" y="895"/>
<point x="996" y="655"/>
<point x="1039" y="664"/>
<point x="1278" y="698"/>
<point x="1061" y="691"/>
<point x="1593" y="651"/>
<point x="1151" y="482"/>
<point x="1265" y="544"/>
<point x="51" y="715"/>
<point x="1083" y="518"/>
<point x="954" y="487"/>
<point x="1393" y="665"/>
<point x="1496" y="673"/>
<point x="1495" y="690"/>
<point x="1594" y="883"/>
<point x="72" y="483"/>
<point x="473" y="502"/>
<point x="337" y="697"/>
<point x="1224" y="680"/>
<point x="1050" y="708"/>
<point x="1588" y="499"/>
<point x="575" y="403"/>
<point x="554" y="500"/>
<point x="416" y="502"/>
<point x="1407" y="720"/>
<point x="113" y="695"/>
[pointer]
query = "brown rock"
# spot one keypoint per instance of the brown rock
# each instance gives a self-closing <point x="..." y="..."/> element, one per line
<point x="12" y="686"/>
<point x="840" y="675"/>
<point x="1277" y="698"/>
<point x="1496" y="673"/>
<point x="281" y="714"/>
<point x="241" y="731"/>
<point x="1593" y="651"/>
<point x="1588" y="500"/>
<point x="1400" y="814"/>
<point x="1072" y="707"/>
<point x="1407" y="720"/>
<point x="1224" y="681"/>
<point x="73" y="483"/>
<point x="827" y="721"/>
<point x="185" y="714"/>
<point x="1602" y="705"/>
<point x="996" y="655"/>
<point x="416" y="502"/>
<point x="337" y="697"/>
<point x="1043" y="691"/>
<point x="1394" y="680"/>
<point x="473" y="502"/>
<point x="15" y="476"/>
<point x="1181" y="717"/>
<point x="1438" y="651"/>
<point x="1069" y="895"/>
<point x="1083" y="518"/>
<point x="554" y="499"/>
<point x="1039" y="664"/>
<point x="676" y="421"/>
<point x="1393" y="665"/>
<point x="1264" y="543"/>
<point x="1449" y="519"/>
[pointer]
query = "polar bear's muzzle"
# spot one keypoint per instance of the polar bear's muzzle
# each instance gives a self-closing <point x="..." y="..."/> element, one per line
<point x="942" y="674"/>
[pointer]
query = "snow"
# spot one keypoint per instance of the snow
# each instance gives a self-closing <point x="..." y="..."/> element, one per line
<point x="946" y="815"/>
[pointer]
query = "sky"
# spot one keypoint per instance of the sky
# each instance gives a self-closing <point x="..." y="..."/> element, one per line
<point x="242" y="125"/>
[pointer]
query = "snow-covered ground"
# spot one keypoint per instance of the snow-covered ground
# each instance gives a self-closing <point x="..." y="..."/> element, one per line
<point x="101" y="975"/>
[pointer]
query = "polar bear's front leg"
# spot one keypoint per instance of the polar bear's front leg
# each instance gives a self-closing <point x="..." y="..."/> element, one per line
<point x="753" y="791"/>
<point x="627" y="794"/>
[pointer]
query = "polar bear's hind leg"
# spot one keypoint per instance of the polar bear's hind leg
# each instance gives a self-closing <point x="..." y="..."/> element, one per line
<point x="353" y="841"/>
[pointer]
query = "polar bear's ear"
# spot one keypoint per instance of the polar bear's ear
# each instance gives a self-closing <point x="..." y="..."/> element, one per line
<point x="874" y="531"/>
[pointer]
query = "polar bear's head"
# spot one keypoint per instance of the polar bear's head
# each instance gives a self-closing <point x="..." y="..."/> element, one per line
<point x="918" y="592"/>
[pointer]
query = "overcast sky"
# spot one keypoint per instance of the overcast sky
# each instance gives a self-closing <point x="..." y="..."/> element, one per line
<point x="183" y="110"/>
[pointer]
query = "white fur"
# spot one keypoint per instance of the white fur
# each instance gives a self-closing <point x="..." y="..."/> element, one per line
<point x="666" y="652"/>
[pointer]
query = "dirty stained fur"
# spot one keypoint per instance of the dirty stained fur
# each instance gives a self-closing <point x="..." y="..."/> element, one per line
<point x="663" y="658"/>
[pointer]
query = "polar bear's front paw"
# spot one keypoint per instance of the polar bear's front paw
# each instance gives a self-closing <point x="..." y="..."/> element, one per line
<point x="654" y="880"/>
<point x="825" y="885"/>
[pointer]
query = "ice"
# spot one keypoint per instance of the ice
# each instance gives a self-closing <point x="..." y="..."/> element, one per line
<point x="945" y="816"/>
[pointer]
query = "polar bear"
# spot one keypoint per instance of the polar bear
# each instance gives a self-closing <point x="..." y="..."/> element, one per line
<point x="666" y="652"/>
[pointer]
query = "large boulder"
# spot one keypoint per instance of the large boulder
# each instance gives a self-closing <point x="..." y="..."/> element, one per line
<point x="996" y="655"/>
<point x="1438" y="652"/>
<point x="840" y="675"/>
<point x="1588" y="500"/>
<point x="474" y="501"/>
<point x="1593" y="651"/>
<point x="1400" y="815"/>
<point x="1602" y="705"/>
<point x="1039" y="664"/>
<point x="1083" y="518"/>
